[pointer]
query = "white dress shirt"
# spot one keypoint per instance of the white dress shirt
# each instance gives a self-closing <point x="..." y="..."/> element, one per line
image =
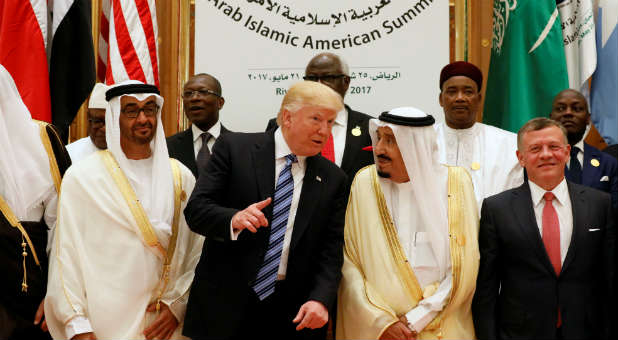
<point x="298" y="173"/>
<point x="339" y="132"/>
<point x="562" y="205"/>
<point x="214" y="131"/>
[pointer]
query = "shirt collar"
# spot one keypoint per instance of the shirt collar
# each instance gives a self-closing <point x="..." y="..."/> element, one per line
<point x="214" y="131"/>
<point x="580" y="145"/>
<point x="342" y="117"/>
<point x="561" y="191"/>
<point x="282" y="149"/>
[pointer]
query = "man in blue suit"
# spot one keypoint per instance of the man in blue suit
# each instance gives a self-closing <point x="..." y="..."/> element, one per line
<point x="588" y="165"/>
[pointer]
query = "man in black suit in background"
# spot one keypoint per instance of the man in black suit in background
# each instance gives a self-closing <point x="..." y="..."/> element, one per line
<point x="546" y="249"/>
<point x="350" y="132"/>
<point x="271" y="263"/>
<point x="202" y="99"/>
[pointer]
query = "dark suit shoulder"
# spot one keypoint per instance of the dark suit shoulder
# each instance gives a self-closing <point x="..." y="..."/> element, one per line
<point x="179" y="136"/>
<point x="589" y="194"/>
<point x="358" y="115"/>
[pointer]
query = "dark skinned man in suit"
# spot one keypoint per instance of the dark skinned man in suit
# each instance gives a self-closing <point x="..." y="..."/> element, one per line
<point x="202" y="99"/>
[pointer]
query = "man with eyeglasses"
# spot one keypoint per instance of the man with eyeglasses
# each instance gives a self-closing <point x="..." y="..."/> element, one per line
<point x="202" y="99"/>
<point x="123" y="257"/>
<point x="95" y="140"/>
<point x="350" y="132"/>
<point x="587" y="165"/>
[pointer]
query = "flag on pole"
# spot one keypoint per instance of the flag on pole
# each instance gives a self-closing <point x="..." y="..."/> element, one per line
<point x="72" y="68"/>
<point x="132" y="41"/>
<point x="604" y="90"/>
<point x="103" y="41"/>
<point x="23" y="34"/>
<point x="577" y="21"/>
<point x="528" y="66"/>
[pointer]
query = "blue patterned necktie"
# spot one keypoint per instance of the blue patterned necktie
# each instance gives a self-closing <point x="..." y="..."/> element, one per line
<point x="264" y="284"/>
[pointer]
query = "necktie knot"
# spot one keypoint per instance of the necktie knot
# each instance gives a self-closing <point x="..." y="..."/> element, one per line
<point x="549" y="196"/>
<point x="205" y="137"/>
<point x="291" y="158"/>
<point x="575" y="151"/>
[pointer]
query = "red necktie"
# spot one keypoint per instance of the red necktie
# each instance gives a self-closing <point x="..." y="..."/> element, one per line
<point x="328" y="151"/>
<point x="551" y="237"/>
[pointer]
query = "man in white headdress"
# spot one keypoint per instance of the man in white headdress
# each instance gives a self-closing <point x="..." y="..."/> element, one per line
<point x="411" y="256"/>
<point x="95" y="140"/>
<point x="32" y="161"/>
<point x="123" y="258"/>
<point x="487" y="152"/>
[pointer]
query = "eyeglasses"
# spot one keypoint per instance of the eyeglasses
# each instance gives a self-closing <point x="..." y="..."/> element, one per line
<point x="326" y="77"/>
<point x="133" y="111"/>
<point x="96" y="122"/>
<point x="200" y="93"/>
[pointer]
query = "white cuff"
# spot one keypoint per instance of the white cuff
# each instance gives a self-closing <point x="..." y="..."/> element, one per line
<point x="419" y="317"/>
<point x="234" y="233"/>
<point x="77" y="325"/>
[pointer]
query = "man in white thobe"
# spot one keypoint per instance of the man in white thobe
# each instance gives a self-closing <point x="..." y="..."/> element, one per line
<point x="488" y="153"/>
<point x="408" y="271"/>
<point x="123" y="258"/>
<point x="95" y="140"/>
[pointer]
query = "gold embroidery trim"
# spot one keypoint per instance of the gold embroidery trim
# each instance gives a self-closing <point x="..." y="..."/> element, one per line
<point x="143" y="223"/>
<point x="456" y="239"/>
<point x="172" y="244"/>
<point x="25" y="239"/>
<point x="405" y="270"/>
<point x="53" y="164"/>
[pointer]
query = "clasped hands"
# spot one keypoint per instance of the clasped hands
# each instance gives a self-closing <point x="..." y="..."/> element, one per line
<point x="399" y="330"/>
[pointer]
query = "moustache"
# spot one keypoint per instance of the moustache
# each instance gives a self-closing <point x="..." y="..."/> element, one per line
<point x="384" y="157"/>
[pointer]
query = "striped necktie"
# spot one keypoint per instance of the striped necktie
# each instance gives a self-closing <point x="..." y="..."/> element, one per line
<point x="264" y="284"/>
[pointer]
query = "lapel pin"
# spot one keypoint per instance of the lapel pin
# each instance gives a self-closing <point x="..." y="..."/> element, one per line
<point x="595" y="162"/>
<point x="318" y="178"/>
<point x="356" y="131"/>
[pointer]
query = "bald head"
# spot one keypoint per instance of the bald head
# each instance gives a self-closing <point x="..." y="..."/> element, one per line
<point x="330" y="70"/>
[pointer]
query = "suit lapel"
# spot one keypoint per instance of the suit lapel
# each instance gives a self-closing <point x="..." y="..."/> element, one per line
<point x="590" y="174"/>
<point x="522" y="203"/>
<point x="310" y="194"/>
<point x="352" y="143"/>
<point x="580" y="212"/>
<point x="187" y="151"/>
<point x="263" y="154"/>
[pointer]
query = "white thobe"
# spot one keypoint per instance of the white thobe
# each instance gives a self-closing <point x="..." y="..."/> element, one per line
<point x="102" y="274"/>
<point x="81" y="149"/>
<point x="486" y="152"/>
<point x="416" y="243"/>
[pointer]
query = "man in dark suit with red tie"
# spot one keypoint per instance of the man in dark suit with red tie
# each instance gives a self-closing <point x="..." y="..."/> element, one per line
<point x="350" y="132"/>
<point x="202" y="98"/>
<point x="547" y="250"/>
<point x="272" y="210"/>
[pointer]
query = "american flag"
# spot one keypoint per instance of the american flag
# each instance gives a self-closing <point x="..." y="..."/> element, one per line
<point x="131" y="43"/>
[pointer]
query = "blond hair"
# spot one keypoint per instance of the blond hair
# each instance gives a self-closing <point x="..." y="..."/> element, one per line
<point x="310" y="93"/>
